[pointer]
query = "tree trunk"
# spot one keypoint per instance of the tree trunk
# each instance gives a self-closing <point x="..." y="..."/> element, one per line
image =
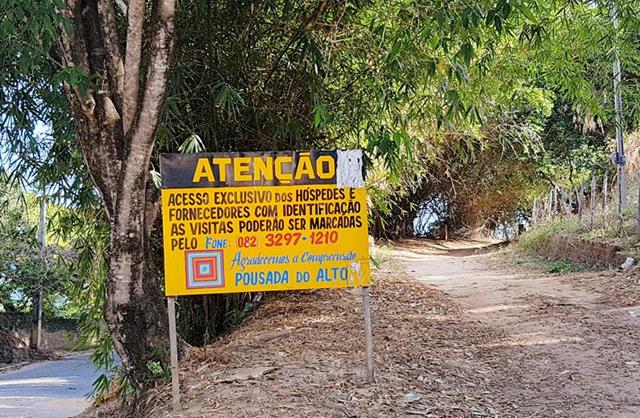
<point x="116" y="116"/>
<point x="135" y="311"/>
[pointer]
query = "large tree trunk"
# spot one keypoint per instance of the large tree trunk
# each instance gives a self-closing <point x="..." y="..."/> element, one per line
<point x="135" y="310"/>
<point x="116" y="116"/>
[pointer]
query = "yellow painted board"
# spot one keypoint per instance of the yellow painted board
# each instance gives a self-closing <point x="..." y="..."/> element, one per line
<point x="255" y="239"/>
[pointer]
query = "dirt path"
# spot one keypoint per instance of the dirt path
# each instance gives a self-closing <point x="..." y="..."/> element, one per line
<point x="565" y="350"/>
<point x="455" y="335"/>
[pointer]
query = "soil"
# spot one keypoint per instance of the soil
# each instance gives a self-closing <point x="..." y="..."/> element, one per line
<point x="457" y="333"/>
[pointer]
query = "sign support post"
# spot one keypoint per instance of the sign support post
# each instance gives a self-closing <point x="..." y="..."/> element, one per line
<point x="173" y="344"/>
<point x="368" y="334"/>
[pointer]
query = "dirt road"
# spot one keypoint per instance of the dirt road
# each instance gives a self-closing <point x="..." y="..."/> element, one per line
<point x="455" y="334"/>
<point x="563" y="348"/>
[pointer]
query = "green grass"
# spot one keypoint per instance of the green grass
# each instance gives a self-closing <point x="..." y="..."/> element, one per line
<point x="563" y="266"/>
<point x="532" y="246"/>
<point x="607" y="228"/>
<point x="529" y="260"/>
<point x="535" y="240"/>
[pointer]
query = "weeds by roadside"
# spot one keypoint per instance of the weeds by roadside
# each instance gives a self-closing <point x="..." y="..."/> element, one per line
<point x="535" y="240"/>
<point x="526" y="259"/>
<point x="563" y="266"/>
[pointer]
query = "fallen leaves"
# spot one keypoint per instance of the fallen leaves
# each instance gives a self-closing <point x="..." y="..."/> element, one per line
<point x="303" y="354"/>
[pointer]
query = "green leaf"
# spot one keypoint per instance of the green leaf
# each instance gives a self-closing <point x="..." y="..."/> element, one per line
<point x="522" y="6"/>
<point x="192" y="145"/>
<point x="498" y="23"/>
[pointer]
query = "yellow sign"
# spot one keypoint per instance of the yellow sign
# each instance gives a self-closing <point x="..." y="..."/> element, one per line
<point x="253" y="222"/>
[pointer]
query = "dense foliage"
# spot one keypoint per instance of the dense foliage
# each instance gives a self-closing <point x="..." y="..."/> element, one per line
<point x="24" y="266"/>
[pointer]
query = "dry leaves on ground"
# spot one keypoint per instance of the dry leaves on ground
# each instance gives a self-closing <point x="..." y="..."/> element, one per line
<point x="312" y="344"/>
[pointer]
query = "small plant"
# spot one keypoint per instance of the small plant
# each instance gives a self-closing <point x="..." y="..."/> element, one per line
<point x="157" y="367"/>
<point x="563" y="266"/>
<point x="157" y="370"/>
<point x="234" y="316"/>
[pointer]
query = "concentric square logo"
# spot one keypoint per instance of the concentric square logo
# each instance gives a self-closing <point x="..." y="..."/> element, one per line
<point x="205" y="269"/>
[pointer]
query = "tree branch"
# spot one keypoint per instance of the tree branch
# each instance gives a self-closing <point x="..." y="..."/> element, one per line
<point x="95" y="140"/>
<point x="113" y="58"/>
<point x="74" y="51"/>
<point x="133" y="57"/>
<point x="161" y="47"/>
<point x="142" y="136"/>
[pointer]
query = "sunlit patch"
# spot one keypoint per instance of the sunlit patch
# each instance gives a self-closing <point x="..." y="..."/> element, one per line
<point x="497" y="308"/>
<point x="38" y="381"/>
<point x="534" y="338"/>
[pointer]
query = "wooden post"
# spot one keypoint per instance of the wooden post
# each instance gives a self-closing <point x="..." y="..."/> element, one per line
<point x="207" y="320"/>
<point x="570" y="208"/>
<point x="173" y="347"/>
<point x="605" y="192"/>
<point x="638" y="211"/>
<point x="562" y="206"/>
<point x="580" y="198"/>
<point x="368" y="333"/>
<point x="555" y="201"/>
<point x="35" y="340"/>
<point x="592" y="205"/>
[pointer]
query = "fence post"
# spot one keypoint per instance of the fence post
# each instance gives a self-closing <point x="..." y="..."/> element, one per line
<point x="605" y="192"/>
<point x="638" y="213"/>
<point x="592" y="205"/>
<point x="580" y="198"/>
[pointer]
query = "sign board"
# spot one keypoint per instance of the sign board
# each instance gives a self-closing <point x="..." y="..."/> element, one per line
<point x="254" y="222"/>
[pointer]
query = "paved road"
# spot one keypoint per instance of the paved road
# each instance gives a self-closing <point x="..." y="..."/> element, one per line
<point x="48" y="389"/>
